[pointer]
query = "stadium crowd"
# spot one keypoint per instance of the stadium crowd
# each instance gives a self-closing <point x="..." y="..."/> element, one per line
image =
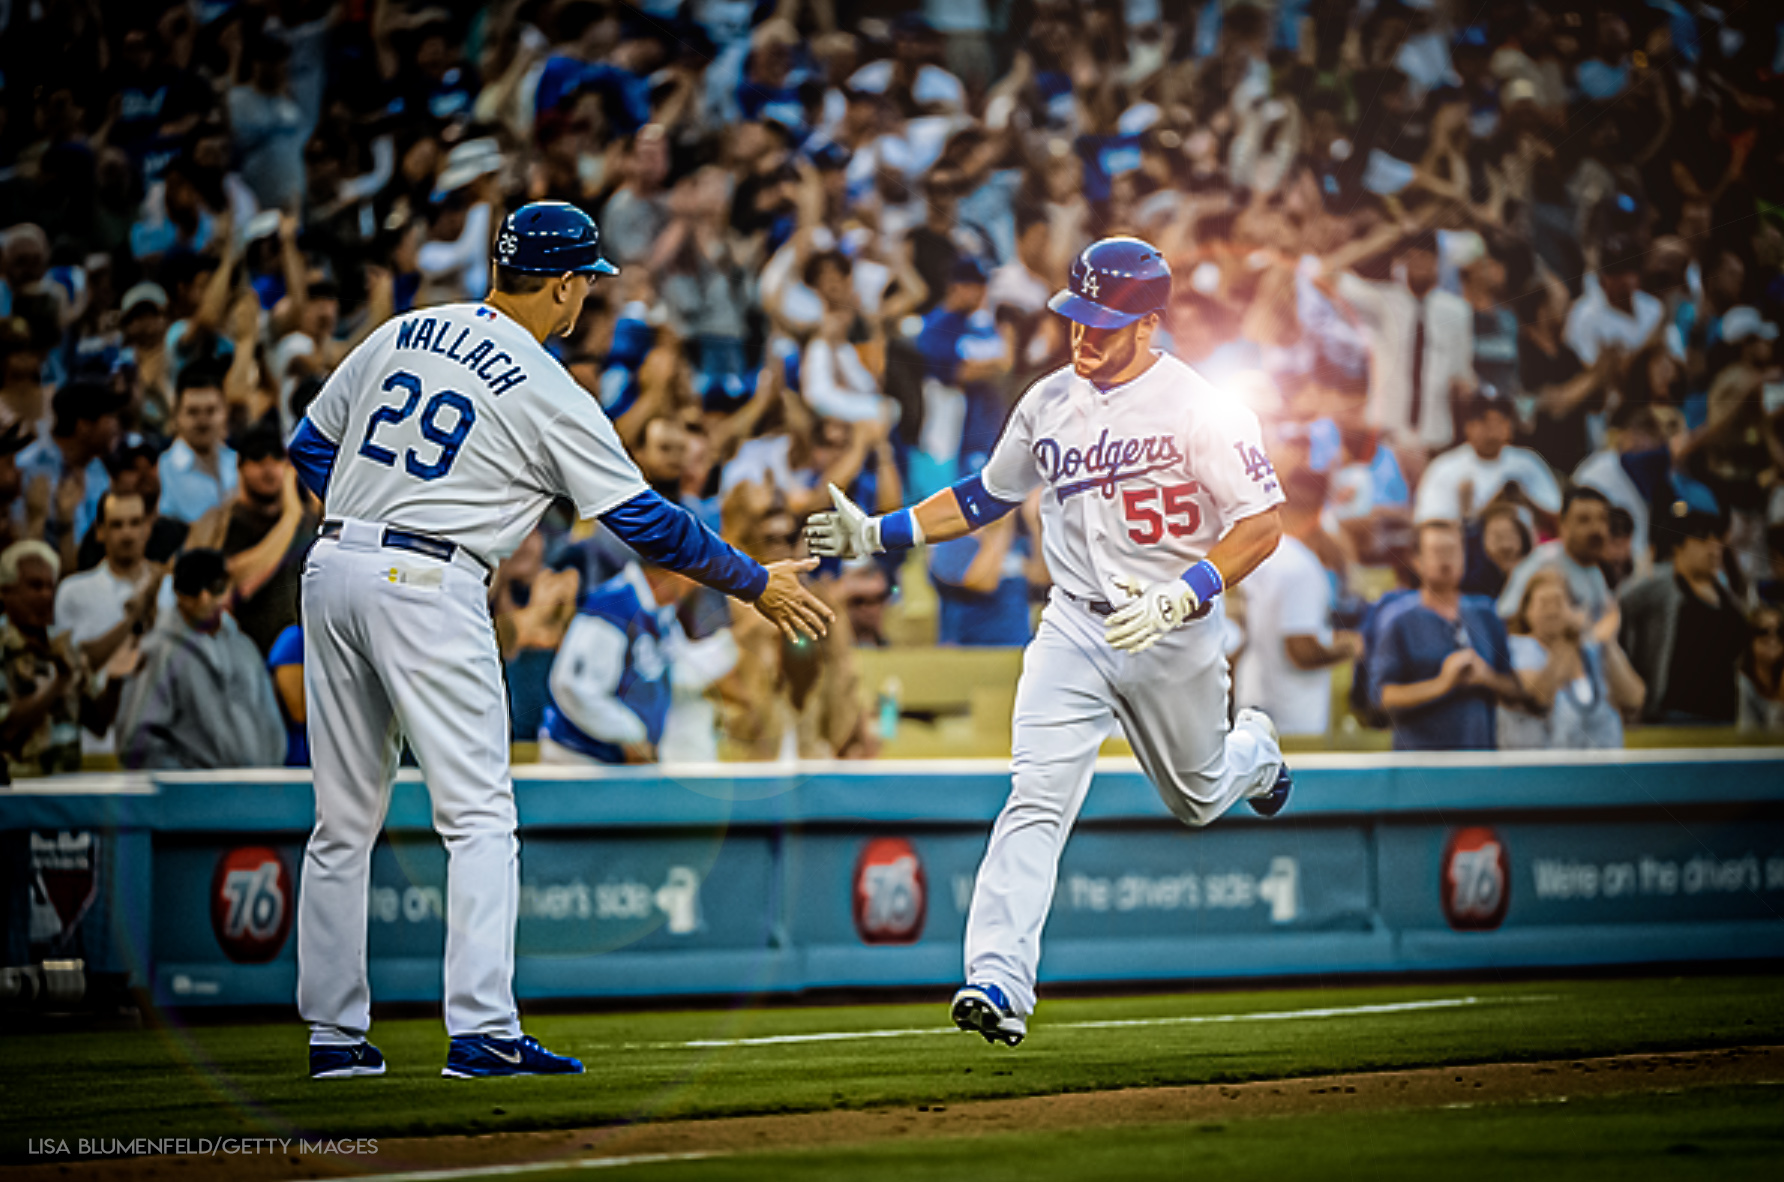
<point x="1502" y="278"/>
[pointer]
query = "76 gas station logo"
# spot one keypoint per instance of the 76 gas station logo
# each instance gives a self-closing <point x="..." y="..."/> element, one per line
<point x="251" y="901"/>
<point x="1476" y="879"/>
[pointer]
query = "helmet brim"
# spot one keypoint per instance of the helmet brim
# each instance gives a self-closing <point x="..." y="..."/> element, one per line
<point x="1075" y="307"/>
<point x="598" y="267"/>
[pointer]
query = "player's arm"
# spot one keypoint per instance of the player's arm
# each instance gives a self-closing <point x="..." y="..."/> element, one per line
<point x="670" y="536"/>
<point x="951" y="513"/>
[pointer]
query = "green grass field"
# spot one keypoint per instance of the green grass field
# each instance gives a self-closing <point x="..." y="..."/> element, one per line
<point x="250" y="1080"/>
<point x="1713" y="1133"/>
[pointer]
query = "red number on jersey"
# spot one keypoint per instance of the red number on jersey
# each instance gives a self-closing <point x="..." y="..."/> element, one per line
<point x="1182" y="516"/>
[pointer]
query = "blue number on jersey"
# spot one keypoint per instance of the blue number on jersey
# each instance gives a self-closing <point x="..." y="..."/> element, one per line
<point x="448" y="441"/>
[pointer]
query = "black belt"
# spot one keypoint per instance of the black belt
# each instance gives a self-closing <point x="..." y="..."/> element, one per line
<point x="426" y="545"/>
<point x="1102" y="607"/>
<point x="1096" y="607"/>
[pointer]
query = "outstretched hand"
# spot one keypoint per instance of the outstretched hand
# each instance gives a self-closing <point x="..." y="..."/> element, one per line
<point x="789" y="605"/>
<point x="847" y="533"/>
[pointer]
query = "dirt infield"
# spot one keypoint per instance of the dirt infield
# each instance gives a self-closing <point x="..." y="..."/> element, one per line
<point x="1493" y="1083"/>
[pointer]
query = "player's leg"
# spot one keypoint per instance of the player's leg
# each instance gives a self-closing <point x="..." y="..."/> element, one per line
<point x="1173" y="707"/>
<point x="1063" y="714"/>
<point x="353" y="753"/>
<point x="437" y="653"/>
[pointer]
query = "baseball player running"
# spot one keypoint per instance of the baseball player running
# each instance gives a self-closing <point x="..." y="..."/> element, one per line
<point x="1160" y="497"/>
<point x="437" y="445"/>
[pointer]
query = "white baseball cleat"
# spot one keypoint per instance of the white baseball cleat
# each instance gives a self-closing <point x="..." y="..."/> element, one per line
<point x="984" y="1010"/>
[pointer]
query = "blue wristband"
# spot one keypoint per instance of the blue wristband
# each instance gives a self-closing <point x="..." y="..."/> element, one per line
<point x="898" y="530"/>
<point x="1204" y="581"/>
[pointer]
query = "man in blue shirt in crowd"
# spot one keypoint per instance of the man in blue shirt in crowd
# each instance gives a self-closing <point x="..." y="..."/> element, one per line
<point x="965" y="354"/>
<point x="981" y="581"/>
<point x="1443" y="660"/>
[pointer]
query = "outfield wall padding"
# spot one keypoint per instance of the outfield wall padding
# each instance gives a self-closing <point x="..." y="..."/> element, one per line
<point x="740" y="878"/>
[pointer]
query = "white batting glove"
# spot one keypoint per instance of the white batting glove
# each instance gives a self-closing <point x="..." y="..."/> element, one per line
<point x="1154" y="611"/>
<point x="847" y="533"/>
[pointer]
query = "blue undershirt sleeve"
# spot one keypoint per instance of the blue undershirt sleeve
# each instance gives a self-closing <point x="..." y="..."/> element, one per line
<point x="670" y="536"/>
<point x="978" y="506"/>
<point x="313" y="455"/>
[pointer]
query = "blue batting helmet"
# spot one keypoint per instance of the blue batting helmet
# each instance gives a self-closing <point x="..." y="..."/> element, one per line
<point x="551" y="238"/>
<point x="1113" y="283"/>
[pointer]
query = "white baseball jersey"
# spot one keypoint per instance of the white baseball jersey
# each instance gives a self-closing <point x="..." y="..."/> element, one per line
<point x="454" y="421"/>
<point x="1144" y="478"/>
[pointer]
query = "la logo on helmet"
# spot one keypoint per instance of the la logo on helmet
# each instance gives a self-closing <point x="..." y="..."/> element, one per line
<point x="1090" y="283"/>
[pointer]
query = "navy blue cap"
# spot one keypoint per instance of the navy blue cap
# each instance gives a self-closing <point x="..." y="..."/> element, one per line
<point x="1113" y="283"/>
<point x="551" y="238"/>
<point x="968" y="269"/>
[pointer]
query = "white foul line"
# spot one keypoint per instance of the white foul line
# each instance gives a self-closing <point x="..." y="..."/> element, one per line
<point x="1397" y="1007"/>
<point x="536" y="1167"/>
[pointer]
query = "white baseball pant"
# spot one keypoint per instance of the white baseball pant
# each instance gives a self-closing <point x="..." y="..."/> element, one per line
<point x="399" y="644"/>
<point x="1171" y="701"/>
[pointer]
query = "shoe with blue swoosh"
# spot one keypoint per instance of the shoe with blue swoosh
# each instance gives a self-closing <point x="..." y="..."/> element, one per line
<point x="984" y="1010"/>
<point x="478" y="1056"/>
<point x="337" y="1062"/>
<point x="1271" y="802"/>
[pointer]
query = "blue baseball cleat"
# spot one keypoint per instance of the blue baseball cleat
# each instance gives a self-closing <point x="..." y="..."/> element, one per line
<point x="1271" y="802"/>
<point x="343" y="1062"/>
<point x="478" y="1056"/>
<point x="984" y="1010"/>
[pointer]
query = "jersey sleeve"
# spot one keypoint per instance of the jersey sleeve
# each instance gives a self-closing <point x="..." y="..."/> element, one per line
<point x="1228" y="459"/>
<point x="581" y="457"/>
<point x="333" y="406"/>
<point x="1010" y="474"/>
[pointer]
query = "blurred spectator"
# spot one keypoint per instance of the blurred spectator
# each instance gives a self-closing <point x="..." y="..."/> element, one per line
<point x="835" y="379"/>
<point x="269" y="126"/>
<point x="984" y="581"/>
<point x="50" y="693"/>
<point x="198" y="470"/>
<point x="142" y="319"/>
<point x="965" y="358"/>
<point x="1762" y="671"/>
<point x="203" y="699"/>
<point x="103" y="608"/>
<point x="269" y="530"/>
<point x="1443" y="658"/>
<point x="16" y="525"/>
<point x="531" y="607"/>
<point x="1618" y="563"/>
<point x="1291" y="644"/>
<point x="1614" y="313"/>
<point x="1462" y="481"/>
<point x="285" y="663"/>
<point x="1420" y="337"/>
<point x="638" y="211"/>
<point x="1628" y="470"/>
<point x="620" y="668"/>
<point x="1578" y="684"/>
<point x="66" y="469"/>
<point x="1585" y="532"/>
<point x="864" y="590"/>
<point x="1684" y="631"/>
<point x="1566" y="393"/>
<point x="134" y="472"/>
<point x="1504" y="543"/>
<point x="1368" y="493"/>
